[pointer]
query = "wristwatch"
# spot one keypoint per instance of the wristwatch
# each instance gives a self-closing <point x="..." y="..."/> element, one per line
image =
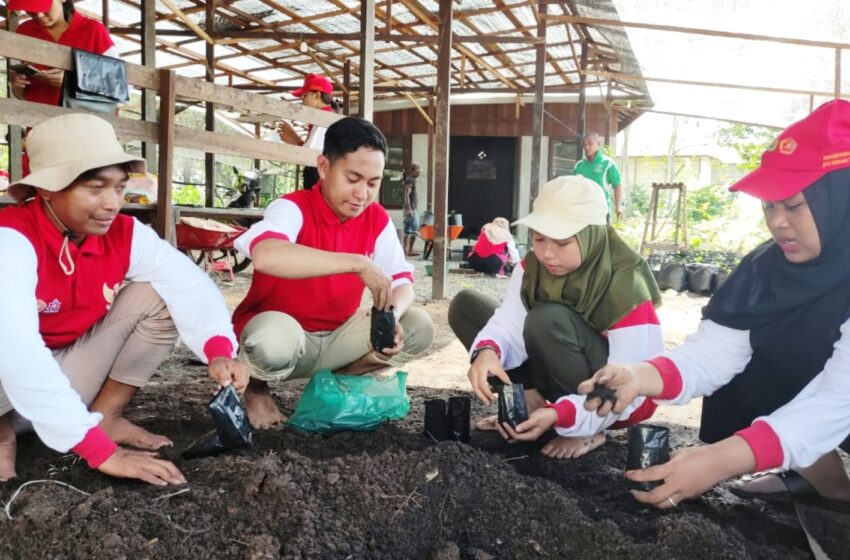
<point x="479" y="349"/>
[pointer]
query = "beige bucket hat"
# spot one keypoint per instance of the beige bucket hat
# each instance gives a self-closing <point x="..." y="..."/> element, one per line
<point x="63" y="148"/>
<point x="565" y="206"/>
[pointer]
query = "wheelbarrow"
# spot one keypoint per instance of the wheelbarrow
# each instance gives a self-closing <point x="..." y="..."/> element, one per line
<point x="210" y="244"/>
<point x="426" y="232"/>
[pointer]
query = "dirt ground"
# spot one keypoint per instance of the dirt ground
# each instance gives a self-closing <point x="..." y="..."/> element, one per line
<point x="392" y="493"/>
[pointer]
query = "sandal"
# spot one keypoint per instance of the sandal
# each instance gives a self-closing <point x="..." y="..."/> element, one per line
<point x="798" y="490"/>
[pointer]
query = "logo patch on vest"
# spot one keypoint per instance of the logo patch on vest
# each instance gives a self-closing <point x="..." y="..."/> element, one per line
<point x="52" y="307"/>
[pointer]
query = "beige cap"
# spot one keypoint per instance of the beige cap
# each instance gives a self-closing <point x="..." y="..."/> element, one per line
<point x="565" y="206"/>
<point x="63" y="148"/>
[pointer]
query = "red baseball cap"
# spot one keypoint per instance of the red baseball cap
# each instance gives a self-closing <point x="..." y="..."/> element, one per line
<point x="314" y="82"/>
<point x="29" y="5"/>
<point x="802" y="154"/>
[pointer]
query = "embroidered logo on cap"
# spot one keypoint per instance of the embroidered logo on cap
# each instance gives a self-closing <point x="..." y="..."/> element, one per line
<point x="787" y="146"/>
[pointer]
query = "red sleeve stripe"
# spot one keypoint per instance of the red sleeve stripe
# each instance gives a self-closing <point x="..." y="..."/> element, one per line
<point x="218" y="347"/>
<point x="522" y="264"/>
<point x="643" y="314"/>
<point x="566" y="413"/>
<point x="403" y="275"/>
<point x="641" y="413"/>
<point x="96" y="447"/>
<point x="491" y="343"/>
<point x="671" y="378"/>
<point x="267" y="235"/>
<point x="765" y="445"/>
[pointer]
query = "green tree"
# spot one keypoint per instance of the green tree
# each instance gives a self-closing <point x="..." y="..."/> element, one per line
<point x="748" y="141"/>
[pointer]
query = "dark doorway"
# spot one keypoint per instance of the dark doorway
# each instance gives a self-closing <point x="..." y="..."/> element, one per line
<point x="481" y="179"/>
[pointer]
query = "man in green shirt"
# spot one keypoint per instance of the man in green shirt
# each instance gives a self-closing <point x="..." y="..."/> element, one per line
<point x="601" y="169"/>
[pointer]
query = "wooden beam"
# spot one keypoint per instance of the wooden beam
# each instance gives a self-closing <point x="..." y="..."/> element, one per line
<point x="209" y="108"/>
<point x="319" y="37"/>
<point x="367" y="59"/>
<point x="441" y="150"/>
<point x="346" y="93"/>
<point x="837" y="73"/>
<point x="148" y="15"/>
<point x="582" y="101"/>
<point x="164" y="219"/>
<point x="16" y="133"/>
<point x="188" y="22"/>
<point x="537" y="113"/>
<point x="696" y="31"/>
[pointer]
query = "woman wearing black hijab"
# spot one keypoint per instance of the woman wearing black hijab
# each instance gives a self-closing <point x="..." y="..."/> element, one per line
<point x="772" y="354"/>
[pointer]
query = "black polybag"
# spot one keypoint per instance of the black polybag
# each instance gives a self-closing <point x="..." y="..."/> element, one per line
<point x="459" y="408"/>
<point x="512" y="407"/>
<point x="382" y="334"/>
<point x="232" y="429"/>
<point x="648" y="445"/>
<point x="436" y="419"/>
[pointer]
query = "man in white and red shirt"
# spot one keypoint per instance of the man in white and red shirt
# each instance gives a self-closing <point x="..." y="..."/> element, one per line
<point x="591" y="301"/>
<point x="313" y="254"/>
<point x="76" y="342"/>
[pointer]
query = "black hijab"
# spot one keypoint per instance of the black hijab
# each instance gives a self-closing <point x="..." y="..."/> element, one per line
<point x="794" y="313"/>
<point x="766" y="286"/>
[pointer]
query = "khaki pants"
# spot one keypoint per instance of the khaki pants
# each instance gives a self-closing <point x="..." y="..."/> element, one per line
<point x="127" y="345"/>
<point x="274" y="347"/>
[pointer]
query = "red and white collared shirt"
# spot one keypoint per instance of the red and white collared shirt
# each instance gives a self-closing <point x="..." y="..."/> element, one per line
<point x="326" y="302"/>
<point x="44" y="309"/>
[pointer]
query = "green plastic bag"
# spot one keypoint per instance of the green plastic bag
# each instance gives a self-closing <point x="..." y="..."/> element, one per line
<point x="335" y="403"/>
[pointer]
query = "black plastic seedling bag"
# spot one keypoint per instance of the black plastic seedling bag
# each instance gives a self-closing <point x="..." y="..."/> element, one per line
<point x="383" y="329"/>
<point x="512" y="408"/>
<point x="648" y="445"/>
<point x="436" y="419"/>
<point x="459" y="418"/>
<point x="232" y="429"/>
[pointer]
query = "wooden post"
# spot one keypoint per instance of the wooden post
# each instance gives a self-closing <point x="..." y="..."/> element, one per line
<point x="367" y="59"/>
<point x="431" y="111"/>
<point x="149" y="59"/>
<point x="539" y="85"/>
<point x="582" y="101"/>
<point x="209" y="121"/>
<point x="838" y="73"/>
<point x="346" y="93"/>
<point x="608" y="102"/>
<point x="441" y="149"/>
<point x="105" y="11"/>
<point x="16" y="145"/>
<point x="164" y="219"/>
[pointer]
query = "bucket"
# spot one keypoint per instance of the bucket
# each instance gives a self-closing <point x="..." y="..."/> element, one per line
<point x="429" y="269"/>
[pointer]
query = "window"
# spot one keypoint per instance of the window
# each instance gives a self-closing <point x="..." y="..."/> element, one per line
<point x="563" y="157"/>
<point x="392" y="189"/>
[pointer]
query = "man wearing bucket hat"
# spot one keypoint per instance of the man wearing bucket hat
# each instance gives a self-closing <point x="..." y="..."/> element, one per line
<point x="316" y="93"/>
<point x="77" y="340"/>
<point x="582" y="298"/>
<point x="772" y="353"/>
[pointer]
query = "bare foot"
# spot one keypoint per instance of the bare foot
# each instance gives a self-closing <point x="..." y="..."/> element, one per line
<point x="124" y="432"/>
<point x="263" y="413"/>
<point x="571" y="448"/>
<point x="488" y="424"/>
<point x="8" y="449"/>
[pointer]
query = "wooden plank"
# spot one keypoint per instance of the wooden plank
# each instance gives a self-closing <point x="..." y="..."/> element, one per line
<point x="539" y="87"/>
<point x="837" y="73"/>
<point x="346" y="93"/>
<point x="220" y="213"/>
<point x="441" y="149"/>
<point x="367" y="60"/>
<point x="148" y="14"/>
<point x="209" y="108"/>
<point x="582" y="102"/>
<point x="164" y="219"/>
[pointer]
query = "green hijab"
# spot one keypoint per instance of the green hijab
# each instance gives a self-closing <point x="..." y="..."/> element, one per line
<point x="611" y="281"/>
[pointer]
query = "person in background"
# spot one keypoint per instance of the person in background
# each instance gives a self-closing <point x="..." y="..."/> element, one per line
<point x="410" y="212"/>
<point x="603" y="171"/>
<point x="317" y="93"/>
<point x="55" y="21"/>
<point x="580" y="299"/>
<point x="495" y="251"/>
<point x="92" y="303"/>
<point x="772" y="353"/>
<point x="314" y="253"/>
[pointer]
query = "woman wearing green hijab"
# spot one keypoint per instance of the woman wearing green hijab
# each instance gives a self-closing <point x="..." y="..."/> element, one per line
<point x="581" y="299"/>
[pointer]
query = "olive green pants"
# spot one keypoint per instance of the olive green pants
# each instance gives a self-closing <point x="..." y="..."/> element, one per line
<point x="563" y="349"/>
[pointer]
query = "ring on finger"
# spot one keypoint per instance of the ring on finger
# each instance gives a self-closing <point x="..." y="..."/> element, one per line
<point x="672" y="502"/>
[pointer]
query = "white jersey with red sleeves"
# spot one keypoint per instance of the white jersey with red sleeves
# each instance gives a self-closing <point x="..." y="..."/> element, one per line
<point x="636" y="337"/>
<point x="326" y="302"/>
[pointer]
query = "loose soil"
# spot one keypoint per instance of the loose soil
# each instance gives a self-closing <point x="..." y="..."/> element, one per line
<point x="392" y="493"/>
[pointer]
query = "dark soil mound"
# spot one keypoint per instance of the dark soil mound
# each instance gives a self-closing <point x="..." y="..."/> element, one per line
<point x="388" y="494"/>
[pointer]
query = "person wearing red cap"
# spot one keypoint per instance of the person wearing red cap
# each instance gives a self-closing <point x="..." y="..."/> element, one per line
<point x="316" y="93"/>
<point x="57" y="22"/>
<point x="772" y="353"/>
